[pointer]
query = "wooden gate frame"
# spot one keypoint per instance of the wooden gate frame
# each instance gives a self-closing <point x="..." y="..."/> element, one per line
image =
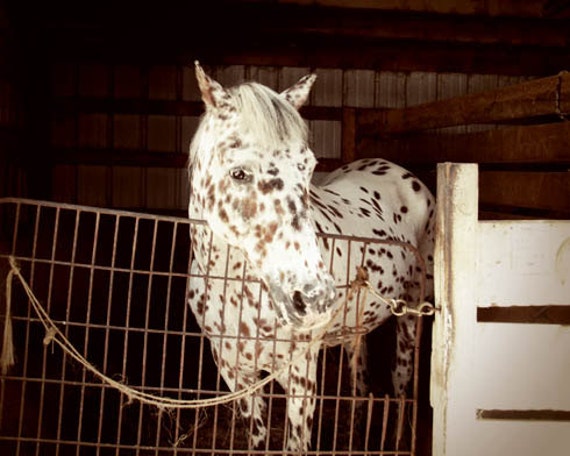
<point x="500" y="381"/>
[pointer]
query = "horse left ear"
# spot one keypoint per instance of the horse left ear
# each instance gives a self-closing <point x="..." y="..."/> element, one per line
<point x="297" y="94"/>
<point x="213" y="94"/>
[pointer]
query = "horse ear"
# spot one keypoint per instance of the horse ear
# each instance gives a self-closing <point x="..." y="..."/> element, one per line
<point x="212" y="91"/>
<point x="297" y="94"/>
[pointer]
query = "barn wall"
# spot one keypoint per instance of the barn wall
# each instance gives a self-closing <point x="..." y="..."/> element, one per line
<point x="12" y="177"/>
<point x="119" y="133"/>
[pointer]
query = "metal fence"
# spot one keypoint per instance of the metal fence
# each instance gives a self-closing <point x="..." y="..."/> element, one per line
<point x="114" y="284"/>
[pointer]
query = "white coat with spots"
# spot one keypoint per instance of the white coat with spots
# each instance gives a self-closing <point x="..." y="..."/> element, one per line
<point x="260" y="280"/>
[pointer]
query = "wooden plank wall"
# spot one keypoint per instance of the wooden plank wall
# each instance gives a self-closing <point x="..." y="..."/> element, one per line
<point x="12" y="177"/>
<point x="524" y="154"/>
<point x="119" y="133"/>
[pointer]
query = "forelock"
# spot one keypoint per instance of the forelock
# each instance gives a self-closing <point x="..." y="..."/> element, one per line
<point x="269" y="117"/>
<point x="272" y="119"/>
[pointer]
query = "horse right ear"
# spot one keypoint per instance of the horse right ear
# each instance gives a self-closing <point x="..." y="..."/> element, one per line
<point x="213" y="94"/>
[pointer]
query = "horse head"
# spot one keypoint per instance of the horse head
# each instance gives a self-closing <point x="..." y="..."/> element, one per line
<point x="251" y="172"/>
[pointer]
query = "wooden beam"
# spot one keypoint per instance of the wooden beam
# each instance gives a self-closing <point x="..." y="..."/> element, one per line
<point x="349" y="23"/>
<point x="63" y="106"/>
<point x="331" y="52"/>
<point x="118" y="157"/>
<point x="149" y="159"/>
<point x="391" y="56"/>
<point x="527" y="8"/>
<point x="88" y="105"/>
<point x="521" y="146"/>
<point x="536" y="98"/>
<point x="316" y="36"/>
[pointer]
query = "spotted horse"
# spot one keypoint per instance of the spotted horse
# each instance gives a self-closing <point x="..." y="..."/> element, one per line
<point x="260" y="285"/>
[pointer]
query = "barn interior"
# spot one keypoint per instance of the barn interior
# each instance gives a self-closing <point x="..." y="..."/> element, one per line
<point x="98" y="103"/>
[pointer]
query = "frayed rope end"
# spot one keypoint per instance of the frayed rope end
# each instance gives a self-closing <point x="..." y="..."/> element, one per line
<point x="7" y="358"/>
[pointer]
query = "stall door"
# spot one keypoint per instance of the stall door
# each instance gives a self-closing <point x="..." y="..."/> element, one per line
<point x="500" y="382"/>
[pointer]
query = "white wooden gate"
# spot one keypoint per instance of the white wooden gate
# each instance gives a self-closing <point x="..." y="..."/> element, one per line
<point x="500" y="382"/>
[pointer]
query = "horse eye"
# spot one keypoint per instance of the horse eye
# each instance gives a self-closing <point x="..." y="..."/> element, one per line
<point x="240" y="175"/>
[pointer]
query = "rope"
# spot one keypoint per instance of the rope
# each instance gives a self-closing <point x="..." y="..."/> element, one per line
<point x="53" y="334"/>
<point x="7" y="359"/>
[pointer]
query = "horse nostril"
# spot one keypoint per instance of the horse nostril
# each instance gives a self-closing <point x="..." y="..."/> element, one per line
<point x="298" y="303"/>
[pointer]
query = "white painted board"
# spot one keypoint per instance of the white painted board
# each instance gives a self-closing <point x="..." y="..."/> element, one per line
<point x="524" y="263"/>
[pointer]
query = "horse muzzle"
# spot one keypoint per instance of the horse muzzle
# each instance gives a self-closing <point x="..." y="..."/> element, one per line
<point x="307" y="307"/>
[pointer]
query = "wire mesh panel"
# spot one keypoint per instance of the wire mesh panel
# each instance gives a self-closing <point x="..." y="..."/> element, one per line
<point x="115" y="285"/>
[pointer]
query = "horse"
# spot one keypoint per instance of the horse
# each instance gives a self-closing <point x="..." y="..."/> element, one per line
<point x="261" y="284"/>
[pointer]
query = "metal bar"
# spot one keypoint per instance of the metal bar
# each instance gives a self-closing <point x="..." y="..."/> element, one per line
<point x="66" y="331"/>
<point x="127" y="325"/>
<point x="369" y="410"/>
<point x="416" y="380"/>
<point x="385" y="417"/>
<point x="165" y="332"/>
<point x="86" y="335"/>
<point x="108" y="323"/>
<point x="146" y="324"/>
<point x="27" y="330"/>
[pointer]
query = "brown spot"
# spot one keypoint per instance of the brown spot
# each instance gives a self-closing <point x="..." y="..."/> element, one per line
<point x="270" y="233"/>
<point x="296" y="223"/>
<point x="201" y="304"/>
<point x="244" y="329"/>
<point x="269" y="185"/>
<point x="211" y="197"/>
<point x="223" y="215"/>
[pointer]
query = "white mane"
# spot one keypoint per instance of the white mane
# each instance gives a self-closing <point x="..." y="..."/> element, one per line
<point x="271" y="119"/>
